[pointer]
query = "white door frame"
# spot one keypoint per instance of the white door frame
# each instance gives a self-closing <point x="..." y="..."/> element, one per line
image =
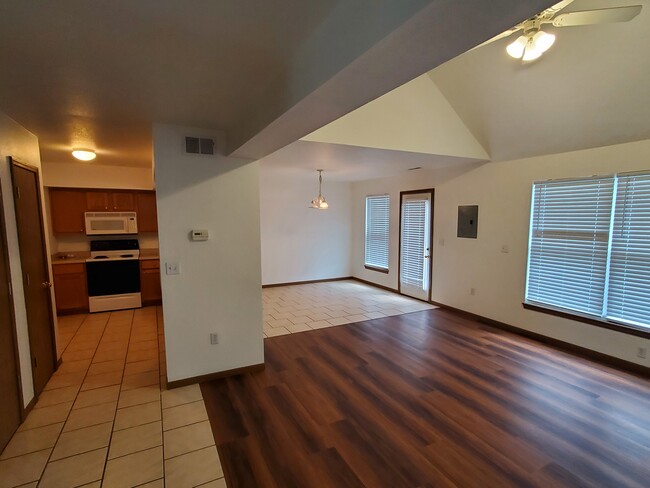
<point x="431" y="193"/>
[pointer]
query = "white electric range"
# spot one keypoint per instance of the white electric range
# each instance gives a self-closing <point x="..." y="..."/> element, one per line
<point x="113" y="274"/>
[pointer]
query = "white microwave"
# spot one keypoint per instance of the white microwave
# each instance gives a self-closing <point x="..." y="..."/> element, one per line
<point x="108" y="223"/>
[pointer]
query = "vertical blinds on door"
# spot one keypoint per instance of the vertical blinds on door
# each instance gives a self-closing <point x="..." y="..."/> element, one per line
<point x="413" y="231"/>
<point x="377" y="231"/>
<point x="589" y="247"/>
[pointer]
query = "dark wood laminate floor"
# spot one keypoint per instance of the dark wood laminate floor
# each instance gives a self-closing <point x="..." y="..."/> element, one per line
<point x="428" y="399"/>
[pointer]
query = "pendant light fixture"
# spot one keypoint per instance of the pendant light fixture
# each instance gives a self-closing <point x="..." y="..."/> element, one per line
<point x="531" y="45"/>
<point x="319" y="202"/>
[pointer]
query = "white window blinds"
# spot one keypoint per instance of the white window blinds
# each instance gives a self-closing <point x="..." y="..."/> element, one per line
<point x="569" y="243"/>
<point x="589" y="247"/>
<point x="377" y="230"/>
<point x="628" y="298"/>
<point x="413" y="231"/>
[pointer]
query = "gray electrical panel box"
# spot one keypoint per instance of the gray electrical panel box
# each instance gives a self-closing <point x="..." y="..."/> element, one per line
<point x="468" y="221"/>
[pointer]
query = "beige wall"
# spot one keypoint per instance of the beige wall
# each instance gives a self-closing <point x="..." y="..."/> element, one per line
<point x="218" y="289"/>
<point x="502" y="191"/>
<point x="22" y="145"/>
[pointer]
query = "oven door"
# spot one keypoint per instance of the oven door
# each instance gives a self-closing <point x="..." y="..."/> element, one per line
<point x="113" y="277"/>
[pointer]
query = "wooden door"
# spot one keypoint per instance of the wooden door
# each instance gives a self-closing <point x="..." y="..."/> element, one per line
<point x="97" y="201"/>
<point x="11" y="405"/>
<point x="36" y="277"/>
<point x="147" y="212"/>
<point x="122" y="201"/>
<point x="67" y="208"/>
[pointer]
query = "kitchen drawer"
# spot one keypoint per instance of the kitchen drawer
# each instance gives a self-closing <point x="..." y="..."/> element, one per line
<point x="65" y="269"/>
<point x="150" y="264"/>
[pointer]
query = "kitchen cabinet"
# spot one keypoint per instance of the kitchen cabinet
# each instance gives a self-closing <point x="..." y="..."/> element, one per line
<point x="110" y="201"/>
<point x="70" y="287"/>
<point x="150" y="282"/>
<point x="67" y="209"/>
<point x="147" y="212"/>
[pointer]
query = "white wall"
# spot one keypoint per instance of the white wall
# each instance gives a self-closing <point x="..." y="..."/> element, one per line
<point x="93" y="175"/>
<point x="300" y="243"/>
<point x="502" y="191"/>
<point x="219" y="286"/>
<point x="22" y="145"/>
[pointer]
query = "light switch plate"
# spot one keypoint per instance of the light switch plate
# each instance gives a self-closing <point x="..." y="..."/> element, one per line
<point x="172" y="268"/>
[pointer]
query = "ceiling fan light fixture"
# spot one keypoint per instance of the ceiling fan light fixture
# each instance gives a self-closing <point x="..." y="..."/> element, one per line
<point x="516" y="48"/>
<point x="84" y="154"/>
<point x="543" y="41"/>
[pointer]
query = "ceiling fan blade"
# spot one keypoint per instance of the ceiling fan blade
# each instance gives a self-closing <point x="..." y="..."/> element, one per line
<point x="600" y="16"/>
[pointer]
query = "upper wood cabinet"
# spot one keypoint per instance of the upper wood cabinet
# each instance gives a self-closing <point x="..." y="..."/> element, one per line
<point x="122" y="201"/>
<point x="67" y="208"/>
<point x="68" y="205"/>
<point x="147" y="212"/>
<point x="110" y="201"/>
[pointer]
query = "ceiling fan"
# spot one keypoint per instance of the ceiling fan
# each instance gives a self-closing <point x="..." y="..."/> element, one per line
<point x="533" y="42"/>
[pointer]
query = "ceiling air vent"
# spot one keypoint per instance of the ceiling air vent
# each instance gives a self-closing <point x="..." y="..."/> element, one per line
<point x="196" y="145"/>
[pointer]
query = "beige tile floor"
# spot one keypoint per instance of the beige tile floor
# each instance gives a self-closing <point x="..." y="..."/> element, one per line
<point x="299" y="308"/>
<point x="105" y="420"/>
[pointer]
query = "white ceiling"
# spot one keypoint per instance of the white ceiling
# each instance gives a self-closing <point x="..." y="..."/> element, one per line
<point x="591" y="89"/>
<point x="352" y="163"/>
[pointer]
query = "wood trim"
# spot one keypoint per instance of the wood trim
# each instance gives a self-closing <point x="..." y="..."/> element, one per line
<point x="46" y="257"/>
<point x="588" y="320"/>
<point x="28" y="408"/>
<point x="374" y="268"/>
<point x="595" y="356"/>
<point x="432" y="191"/>
<point x="254" y="368"/>
<point x="291" y="283"/>
<point x="370" y="283"/>
<point x="12" y="309"/>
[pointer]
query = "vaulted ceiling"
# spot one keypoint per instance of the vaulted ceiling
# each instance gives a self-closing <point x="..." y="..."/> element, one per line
<point x="591" y="89"/>
<point x="98" y="74"/>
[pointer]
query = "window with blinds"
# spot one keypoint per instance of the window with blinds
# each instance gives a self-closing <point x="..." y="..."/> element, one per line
<point x="377" y="230"/>
<point x="589" y="247"/>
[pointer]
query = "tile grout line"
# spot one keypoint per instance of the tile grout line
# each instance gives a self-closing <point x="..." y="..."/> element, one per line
<point x="76" y="396"/>
<point x="162" y="425"/>
<point x="117" y="404"/>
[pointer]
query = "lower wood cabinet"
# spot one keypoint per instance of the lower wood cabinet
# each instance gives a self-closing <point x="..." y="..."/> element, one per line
<point x="150" y="282"/>
<point x="70" y="287"/>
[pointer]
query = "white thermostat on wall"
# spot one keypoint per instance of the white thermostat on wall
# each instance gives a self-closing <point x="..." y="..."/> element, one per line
<point x="200" y="234"/>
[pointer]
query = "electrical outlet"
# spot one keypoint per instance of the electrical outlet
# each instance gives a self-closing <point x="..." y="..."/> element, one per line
<point x="172" y="268"/>
<point x="214" y="339"/>
<point x="642" y="352"/>
<point x="472" y="291"/>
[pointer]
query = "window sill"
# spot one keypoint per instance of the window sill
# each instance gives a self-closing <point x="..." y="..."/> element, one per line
<point x="373" y="268"/>
<point x="606" y="324"/>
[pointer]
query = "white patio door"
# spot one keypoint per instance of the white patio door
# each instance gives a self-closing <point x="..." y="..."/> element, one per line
<point x="415" y="242"/>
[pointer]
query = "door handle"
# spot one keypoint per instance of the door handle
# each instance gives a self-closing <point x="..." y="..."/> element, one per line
<point x="46" y="284"/>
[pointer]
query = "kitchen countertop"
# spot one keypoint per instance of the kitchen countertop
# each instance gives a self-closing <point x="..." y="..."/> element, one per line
<point x="76" y="257"/>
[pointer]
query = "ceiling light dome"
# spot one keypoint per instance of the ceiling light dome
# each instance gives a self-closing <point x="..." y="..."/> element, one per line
<point x="84" y="154"/>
